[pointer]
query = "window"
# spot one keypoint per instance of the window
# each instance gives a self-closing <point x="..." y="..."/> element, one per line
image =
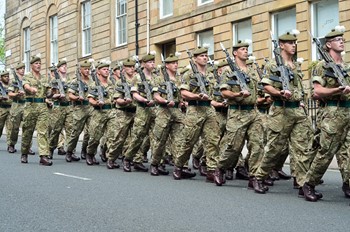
<point x="166" y="8"/>
<point x="86" y="28"/>
<point x="168" y="48"/>
<point x="53" y="39"/>
<point x="322" y="21"/>
<point x="206" y="39"/>
<point x="202" y="2"/>
<point x="283" y="22"/>
<point x="243" y="31"/>
<point x="26" y="47"/>
<point x="121" y="22"/>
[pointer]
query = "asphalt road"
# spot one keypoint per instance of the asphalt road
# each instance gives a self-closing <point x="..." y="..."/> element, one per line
<point x="77" y="197"/>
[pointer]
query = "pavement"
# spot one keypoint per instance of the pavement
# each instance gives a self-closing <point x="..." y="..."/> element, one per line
<point x="76" y="197"/>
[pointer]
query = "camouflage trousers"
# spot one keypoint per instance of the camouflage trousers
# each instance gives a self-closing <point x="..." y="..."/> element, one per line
<point x="102" y="121"/>
<point x="35" y="116"/>
<point x="16" y="117"/>
<point x="199" y="121"/>
<point x="5" y="119"/>
<point x="81" y="116"/>
<point x="334" y="140"/>
<point x="169" y="123"/>
<point x="242" y="125"/>
<point x="287" y="125"/>
<point x="143" y="124"/>
<point x="115" y="138"/>
<point x="61" y="118"/>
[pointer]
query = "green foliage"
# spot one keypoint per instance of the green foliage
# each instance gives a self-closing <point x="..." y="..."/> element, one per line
<point x="2" y="45"/>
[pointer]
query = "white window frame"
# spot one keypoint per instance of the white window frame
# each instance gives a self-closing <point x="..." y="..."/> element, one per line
<point x="235" y="36"/>
<point x="211" y="48"/>
<point x="313" y="12"/>
<point x="161" y="9"/>
<point x="120" y="18"/>
<point x="203" y="2"/>
<point x="26" y="48"/>
<point x="53" y="39"/>
<point x="86" y="28"/>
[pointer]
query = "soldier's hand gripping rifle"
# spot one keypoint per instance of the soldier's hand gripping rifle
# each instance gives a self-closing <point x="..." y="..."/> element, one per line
<point x="168" y="84"/>
<point x="19" y="81"/>
<point x="125" y="86"/>
<point x="283" y="71"/>
<point x="81" y="85"/>
<point x="199" y="77"/>
<point x="143" y="79"/>
<point x="339" y="73"/>
<point x="99" y="87"/>
<point x="240" y="76"/>
<point x="59" y="81"/>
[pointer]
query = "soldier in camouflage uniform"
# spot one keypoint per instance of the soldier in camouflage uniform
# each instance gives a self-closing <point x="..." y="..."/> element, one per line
<point x="124" y="113"/>
<point x="16" y="111"/>
<point x="145" y="114"/>
<point x="169" y="120"/>
<point x="61" y="113"/>
<point x="200" y="118"/>
<point x="335" y="120"/>
<point x="101" y="99"/>
<point x="81" y="108"/>
<point x="36" y="112"/>
<point x="5" y="103"/>
<point x="243" y="121"/>
<point x="287" y="122"/>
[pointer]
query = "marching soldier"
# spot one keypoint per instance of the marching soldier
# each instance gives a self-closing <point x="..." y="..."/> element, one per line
<point x="200" y="118"/>
<point x="144" y="118"/>
<point x="244" y="121"/>
<point x="333" y="90"/>
<point x="287" y="122"/>
<point x="36" y="112"/>
<point x="5" y="103"/>
<point x="78" y="94"/>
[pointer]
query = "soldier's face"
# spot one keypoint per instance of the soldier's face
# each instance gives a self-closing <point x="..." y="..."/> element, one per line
<point x="85" y="71"/>
<point x="288" y="47"/>
<point x="104" y="72"/>
<point x="172" y="66"/>
<point x="5" y="79"/>
<point x="36" y="66"/>
<point x="129" y="70"/>
<point x="149" y="65"/>
<point x="241" y="53"/>
<point x="63" y="69"/>
<point x="201" y="59"/>
<point x="336" y="44"/>
<point x="20" y="71"/>
<point x="117" y="73"/>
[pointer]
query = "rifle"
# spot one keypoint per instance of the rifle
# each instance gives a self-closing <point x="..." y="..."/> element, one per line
<point x="3" y="91"/>
<point x="201" y="82"/>
<point x="215" y="70"/>
<point x="59" y="81"/>
<point x="125" y="86"/>
<point x="143" y="79"/>
<point x="19" y="81"/>
<point x="111" y="77"/>
<point x="241" y="78"/>
<point x="336" y="70"/>
<point x="81" y="85"/>
<point x="168" y="84"/>
<point x="99" y="87"/>
<point x="284" y="74"/>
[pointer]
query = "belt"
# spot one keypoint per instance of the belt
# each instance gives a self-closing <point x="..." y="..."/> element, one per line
<point x="80" y="103"/>
<point x="221" y="110"/>
<point x="142" y="104"/>
<point x="345" y="104"/>
<point x="19" y="101"/>
<point x="104" y="107"/>
<point x="287" y="104"/>
<point x="35" y="100"/>
<point x="5" y="106"/>
<point x="199" y="103"/>
<point x="262" y="110"/>
<point x="242" y="107"/>
<point x="61" y="103"/>
<point x="128" y="109"/>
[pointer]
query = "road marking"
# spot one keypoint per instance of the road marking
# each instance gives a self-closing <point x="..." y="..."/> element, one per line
<point x="71" y="176"/>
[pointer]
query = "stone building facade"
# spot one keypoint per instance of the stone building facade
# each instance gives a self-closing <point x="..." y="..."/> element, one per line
<point x="111" y="29"/>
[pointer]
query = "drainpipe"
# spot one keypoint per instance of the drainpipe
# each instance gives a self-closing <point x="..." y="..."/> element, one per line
<point x="148" y="27"/>
<point x="137" y="24"/>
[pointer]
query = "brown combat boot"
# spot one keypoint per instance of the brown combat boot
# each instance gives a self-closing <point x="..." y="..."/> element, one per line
<point x="45" y="161"/>
<point x="11" y="149"/>
<point x="219" y="176"/>
<point x="154" y="170"/>
<point x="177" y="173"/>
<point x="258" y="186"/>
<point x="24" y="158"/>
<point x="229" y="174"/>
<point x="309" y="192"/>
<point x="126" y="165"/>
